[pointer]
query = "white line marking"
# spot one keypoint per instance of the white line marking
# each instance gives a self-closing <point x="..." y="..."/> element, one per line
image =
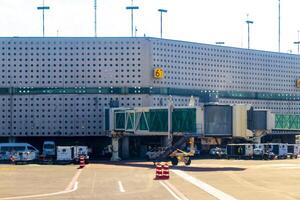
<point x="74" y="179"/>
<point x="204" y="186"/>
<point x="177" y="192"/>
<point x="121" y="186"/>
<point x="73" y="186"/>
<point x="169" y="190"/>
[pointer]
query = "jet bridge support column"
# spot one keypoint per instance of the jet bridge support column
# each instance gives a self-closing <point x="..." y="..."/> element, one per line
<point x="115" y="147"/>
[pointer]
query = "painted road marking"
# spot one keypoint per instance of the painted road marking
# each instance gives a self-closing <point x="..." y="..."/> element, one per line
<point x="204" y="186"/>
<point x="121" y="188"/>
<point x="175" y="190"/>
<point x="170" y="190"/>
<point x="74" y="179"/>
<point x="73" y="186"/>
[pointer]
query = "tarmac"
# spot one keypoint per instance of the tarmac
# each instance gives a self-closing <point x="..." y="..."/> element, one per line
<point x="204" y="179"/>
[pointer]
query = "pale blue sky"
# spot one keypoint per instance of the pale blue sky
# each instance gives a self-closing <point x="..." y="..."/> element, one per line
<point x="205" y="21"/>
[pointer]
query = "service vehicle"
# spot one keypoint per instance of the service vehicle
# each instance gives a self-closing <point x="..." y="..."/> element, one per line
<point x="293" y="151"/>
<point x="65" y="154"/>
<point x="18" y="152"/>
<point x="258" y="151"/>
<point x="71" y="153"/>
<point x="240" y="151"/>
<point x="154" y="152"/>
<point x="49" y="149"/>
<point x="280" y="150"/>
<point x="81" y="151"/>
<point x="218" y="152"/>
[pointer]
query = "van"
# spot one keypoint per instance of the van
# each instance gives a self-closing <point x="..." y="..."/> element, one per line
<point x="19" y="151"/>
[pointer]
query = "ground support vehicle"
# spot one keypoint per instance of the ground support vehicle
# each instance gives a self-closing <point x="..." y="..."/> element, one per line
<point x="81" y="151"/>
<point x="218" y="152"/>
<point x="240" y="151"/>
<point x="71" y="154"/>
<point x="175" y="154"/>
<point x="293" y="151"/>
<point x="153" y="153"/>
<point x="65" y="154"/>
<point x="280" y="150"/>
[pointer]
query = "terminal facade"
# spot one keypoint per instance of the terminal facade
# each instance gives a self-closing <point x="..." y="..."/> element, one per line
<point x="61" y="86"/>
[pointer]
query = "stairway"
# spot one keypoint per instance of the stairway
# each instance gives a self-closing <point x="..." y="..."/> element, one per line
<point x="164" y="155"/>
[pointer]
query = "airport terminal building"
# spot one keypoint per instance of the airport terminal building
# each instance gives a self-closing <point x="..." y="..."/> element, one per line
<point x="61" y="86"/>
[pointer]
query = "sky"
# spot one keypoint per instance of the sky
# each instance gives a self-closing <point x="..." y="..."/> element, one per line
<point x="203" y="21"/>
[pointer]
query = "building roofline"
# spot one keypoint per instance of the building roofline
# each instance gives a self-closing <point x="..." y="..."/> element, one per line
<point x="152" y="38"/>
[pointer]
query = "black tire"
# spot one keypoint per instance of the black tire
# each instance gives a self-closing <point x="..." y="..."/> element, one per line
<point x="188" y="161"/>
<point x="174" y="161"/>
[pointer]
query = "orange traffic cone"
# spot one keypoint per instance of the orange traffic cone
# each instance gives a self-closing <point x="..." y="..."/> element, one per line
<point x="81" y="162"/>
<point x="158" y="171"/>
<point x="165" y="171"/>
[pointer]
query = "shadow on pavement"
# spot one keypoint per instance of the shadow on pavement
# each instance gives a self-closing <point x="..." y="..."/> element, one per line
<point x="138" y="164"/>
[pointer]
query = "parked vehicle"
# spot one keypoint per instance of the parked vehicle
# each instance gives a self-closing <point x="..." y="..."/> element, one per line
<point x="280" y="150"/>
<point x="81" y="151"/>
<point x="72" y="153"/>
<point x="65" y="154"/>
<point x="258" y="151"/>
<point x="154" y="152"/>
<point x="240" y="151"/>
<point x="293" y="151"/>
<point x="218" y="152"/>
<point x="19" y="152"/>
<point x="49" y="149"/>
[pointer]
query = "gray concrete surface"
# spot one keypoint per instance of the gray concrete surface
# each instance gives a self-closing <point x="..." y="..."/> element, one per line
<point x="239" y="179"/>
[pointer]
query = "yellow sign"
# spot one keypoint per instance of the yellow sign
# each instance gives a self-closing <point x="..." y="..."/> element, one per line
<point x="158" y="73"/>
<point x="298" y="83"/>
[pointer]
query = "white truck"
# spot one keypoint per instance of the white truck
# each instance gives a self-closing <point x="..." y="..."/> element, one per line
<point x="279" y="149"/>
<point x="71" y="153"/>
<point x="293" y="151"/>
<point x="65" y="154"/>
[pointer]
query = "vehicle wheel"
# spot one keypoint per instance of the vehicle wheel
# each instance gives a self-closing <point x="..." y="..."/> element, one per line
<point x="265" y="157"/>
<point x="174" y="161"/>
<point x="187" y="161"/>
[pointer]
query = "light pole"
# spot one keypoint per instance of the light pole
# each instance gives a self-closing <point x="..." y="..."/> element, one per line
<point x="95" y="17"/>
<point x="43" y="8"/>
<point x="298" y="42"/>
<point x="248" y="24"/>
<point x="131" y="8"/>
<point x="279" y="15"/>
<point x="161" y="21"/>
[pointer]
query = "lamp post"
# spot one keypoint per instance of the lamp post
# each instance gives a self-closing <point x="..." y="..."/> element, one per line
<point x="161" y="21"/>
<point x="131" y="8"/>
<point x="298" y="42"/>
<point x="95" y="17"/>
<point x="43" y="8"/>
<point x="248" y="24"/>
<point x="279" y="16"/>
